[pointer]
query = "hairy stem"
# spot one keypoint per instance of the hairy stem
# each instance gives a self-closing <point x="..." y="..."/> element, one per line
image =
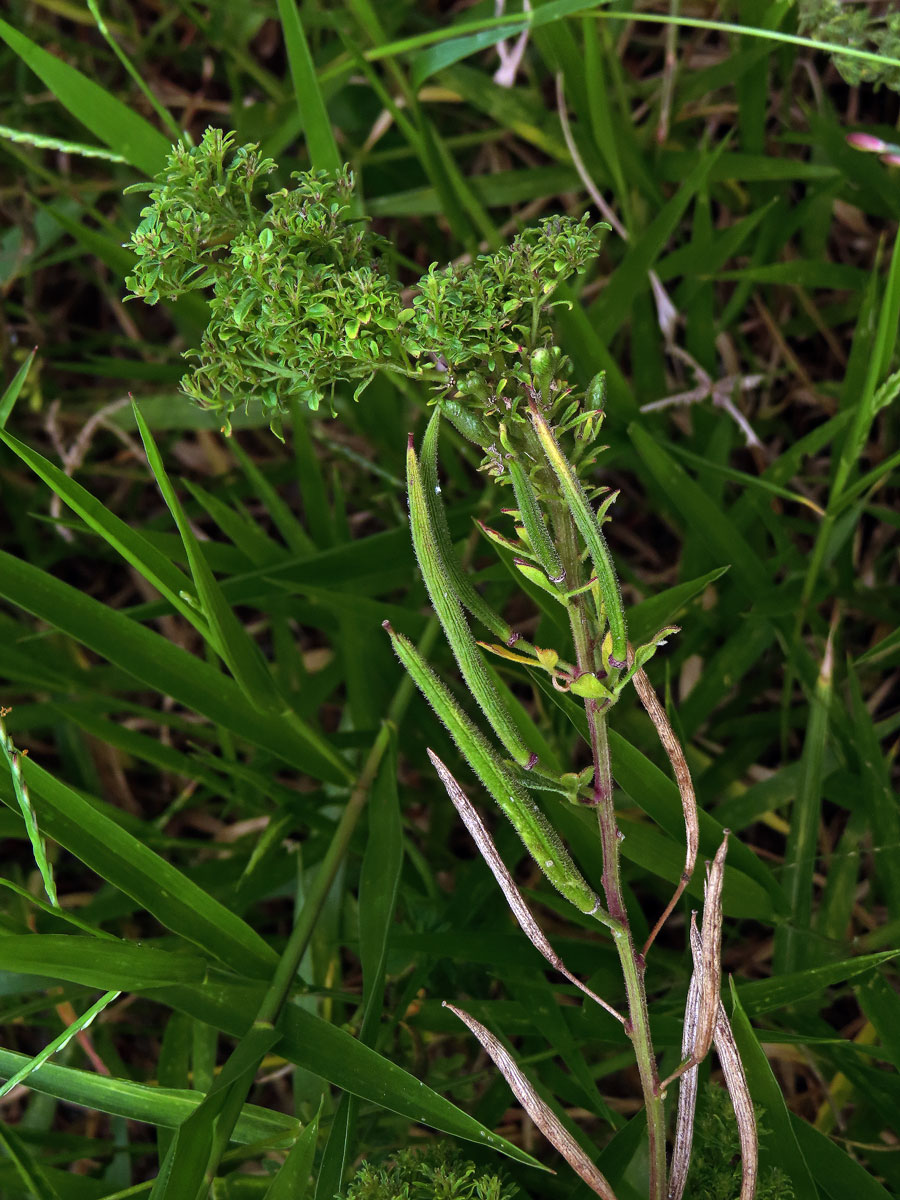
<point x="631" y="961"/>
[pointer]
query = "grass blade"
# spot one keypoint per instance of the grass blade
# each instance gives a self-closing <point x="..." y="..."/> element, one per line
<point x="11" y="394"/>
<point x="292" y="1180"/>
<point x="320" y="140"/>
<point x="156" y="567"/>
<point x="792" y="944"/>
<point x="126" y="863"/>
<point x="118" y="126"/>
<point x="784" y="1149"/>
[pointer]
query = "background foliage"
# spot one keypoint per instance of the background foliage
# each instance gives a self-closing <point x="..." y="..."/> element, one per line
<point x="196" y="667"/>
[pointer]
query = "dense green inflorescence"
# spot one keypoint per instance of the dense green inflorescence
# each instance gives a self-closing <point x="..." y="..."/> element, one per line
<point x="875" y="28"/>
<point x="434" y="1172"/>
<point x="716" y="1158"/>
<point x="303" y="295"/>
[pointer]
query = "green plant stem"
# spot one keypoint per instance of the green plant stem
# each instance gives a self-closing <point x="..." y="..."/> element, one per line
<point x="328" y="868"/>
<point x="631" y="961"/>
<point x="638" y="1025"/>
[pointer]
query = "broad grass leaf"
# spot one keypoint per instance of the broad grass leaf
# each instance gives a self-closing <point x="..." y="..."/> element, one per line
<point x="781" y="1147"/>
<point x="292" y="1180"/>
<point x="160" y="1106"/>
<point x="98" y="962"/>
<point x="31" y="1172"/>
<point x="153" y="565"/>
<point x="331" y="1053"/>
<point x="320" y="140"/>
<point x="126" y="863"/>
<point x="338" y="1149"/>
<point x="764" y="995"/>
<point x="122" y="129"/>
<point x="229" y="638"/>
<point x="200" y="1141"/>
<point x="837" y="1174"/>
<point x="155" y="662"/>
<point x="650" y="615"/>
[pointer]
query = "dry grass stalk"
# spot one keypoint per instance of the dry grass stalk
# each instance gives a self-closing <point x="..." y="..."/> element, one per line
<point x="736" y="1083"/>
<point x="520" y="910"/>
<point x="687" y="1086"/>
<point x="707" y="967"/>
<point x="741" y="1102"/>
<point x="672" y="747"/>
<point x="541" y="1114"/>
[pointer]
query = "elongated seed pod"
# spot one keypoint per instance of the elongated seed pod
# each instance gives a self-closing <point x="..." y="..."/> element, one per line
<point x="453" y="622"/>
<point x="520" y="909"/>
<point x="466" y="422"/>
<point x="462" y="584"/>
<point x="541" y="840"/>
<point x="589" y="528"/>
<point x="595" y="393"/>
<point x="533" y="519"/>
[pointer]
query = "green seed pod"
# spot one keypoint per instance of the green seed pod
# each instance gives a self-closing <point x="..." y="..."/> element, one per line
<point x="450" y="614"/>
<point x="541" y="839"/>
<point x="535" y="526"/>
<point x="589" y="528"/>
<point x="595" y="394"/>
<point x="545" y="363"/>
<point x="466" y="422"/>
<point x="473" y="384"/>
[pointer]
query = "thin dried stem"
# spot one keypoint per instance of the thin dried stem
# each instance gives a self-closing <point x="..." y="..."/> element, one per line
<point x="578" y="162"/>
<point x="510" y="57"/>
<point x="543" y="1116"/>
<point x="672" y="747"/>
<point x="741" y="1102"/>
<point x="687" y="1085"/>
<point x="736" y="1082"/>
<point x="708" y="967"/>
<point x="520" y="910"/>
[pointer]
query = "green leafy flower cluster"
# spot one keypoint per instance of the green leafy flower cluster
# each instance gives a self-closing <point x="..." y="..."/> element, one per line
<point x="436" y="1172"/>
<point x="482" y="311"/>
<point x="299" y="299"/>
<point x="859" y="27"/>
<point x="302" y="297"/>
<point x="715" y="1172"/>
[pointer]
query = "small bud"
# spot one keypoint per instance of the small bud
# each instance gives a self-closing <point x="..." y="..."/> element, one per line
<point x="595" y="395"/>
<point x="867" y="142"/>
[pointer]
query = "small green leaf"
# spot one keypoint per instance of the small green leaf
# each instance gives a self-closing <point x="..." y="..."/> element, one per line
<point x="535" y="526"/>
<point x="11" y="394"/>
<point x="590" y="687"/>
<point x="122" y="129"/>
